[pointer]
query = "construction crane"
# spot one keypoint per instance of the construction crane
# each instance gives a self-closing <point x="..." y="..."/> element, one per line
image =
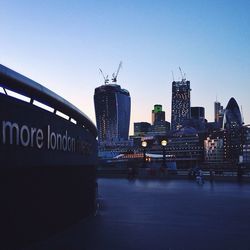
<point x="172" y="75"/>
<point x="114" y="75"/>
<point x="106" y="80"/>
<point x="183" y="76"/>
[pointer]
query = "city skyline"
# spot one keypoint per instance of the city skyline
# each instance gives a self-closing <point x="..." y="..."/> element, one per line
<point x="62" y="45"/>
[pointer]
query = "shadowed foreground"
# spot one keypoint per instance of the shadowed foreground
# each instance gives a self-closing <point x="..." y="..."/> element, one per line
<point x="170" y="214"/>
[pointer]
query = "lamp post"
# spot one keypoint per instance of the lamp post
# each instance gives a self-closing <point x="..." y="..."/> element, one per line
<point x="144" y="145"/>
<point x="164" y="144"/>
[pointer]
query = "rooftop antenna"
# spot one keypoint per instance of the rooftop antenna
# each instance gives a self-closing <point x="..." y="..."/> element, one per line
<point x="114" y="75"/>
<point x="106" y="80"/>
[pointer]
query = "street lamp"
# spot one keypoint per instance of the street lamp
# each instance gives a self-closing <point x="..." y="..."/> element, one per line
<point x="144" y="145"/>
<point x="164" y="144"/>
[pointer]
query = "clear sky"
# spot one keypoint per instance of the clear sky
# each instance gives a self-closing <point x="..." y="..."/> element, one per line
<point x="62" y="44"/>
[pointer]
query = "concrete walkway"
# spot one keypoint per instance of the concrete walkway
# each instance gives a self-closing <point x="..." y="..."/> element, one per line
<point x="167" y="214"/>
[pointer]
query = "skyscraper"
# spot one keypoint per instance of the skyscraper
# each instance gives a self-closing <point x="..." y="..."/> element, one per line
<point x="157" y="114"/>
<point x="218" y="109"/>
<point x="232" y="126"/>
<point x="180" y="103"/>
<point x="112" y="109"/>
<point x="232" y="116"/>
<point x="159" y="125"/>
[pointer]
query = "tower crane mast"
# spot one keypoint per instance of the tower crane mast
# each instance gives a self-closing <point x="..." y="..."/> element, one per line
<point x="114" y="75"/>
<point x="106" y="80"/>
<point x="183" y="76"/>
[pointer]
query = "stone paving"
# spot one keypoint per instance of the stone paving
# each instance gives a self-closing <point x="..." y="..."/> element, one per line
<point x="162" y="214"/>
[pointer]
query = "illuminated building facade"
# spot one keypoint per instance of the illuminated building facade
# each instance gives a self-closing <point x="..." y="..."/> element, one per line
<point x="246" y="145"/>
<point x="232" y="116"/>
<point x="180" y="103"/>
<point x="159" y="125"/>
<point x="157" y="114"/>
<point x="218" y="109"/>
<point x="112" y="109"/>
<point x="232" y="127"/>
<point x="226" y="145"/>
<point x="214" y="150"/>
<point x="141" y="128"/>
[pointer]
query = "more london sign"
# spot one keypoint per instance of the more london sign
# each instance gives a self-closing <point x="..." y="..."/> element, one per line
<point x="26" y="136"/>
<point x="32" y="136"/>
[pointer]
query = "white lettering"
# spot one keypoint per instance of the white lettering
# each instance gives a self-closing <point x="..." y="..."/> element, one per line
<point x="11" y="131"/>
<point x="25" y="135"/>
<point x="33" y="130"/>
<point x="15" y="134"/>
<point x="65" y="141"/>
<point x="39" y="138"/>
<point x="59" y="141"/>
<point x="48" y="145"/>
<point x="53" y="140"/>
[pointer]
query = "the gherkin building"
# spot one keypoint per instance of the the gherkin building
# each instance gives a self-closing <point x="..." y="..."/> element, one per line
<point x="232" y="116"/>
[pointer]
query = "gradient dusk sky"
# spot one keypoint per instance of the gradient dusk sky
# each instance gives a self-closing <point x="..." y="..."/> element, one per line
<point x="62" y="44"/>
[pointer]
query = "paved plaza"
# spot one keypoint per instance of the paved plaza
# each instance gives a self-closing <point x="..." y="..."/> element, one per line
<point x="167" y="214"/>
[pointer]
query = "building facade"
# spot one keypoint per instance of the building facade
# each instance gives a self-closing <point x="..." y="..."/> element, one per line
<point x="141" y="128"/>
<point x="198" y="113"/>
<point x="112" y="109"/>
<point x="246" y="145"/>
<point x="157" y="114"/>
<point x="218" y="109"/>
<point x="180" y="103"/>
<point x="214" y="150"/>
<point x="225" y="143"/>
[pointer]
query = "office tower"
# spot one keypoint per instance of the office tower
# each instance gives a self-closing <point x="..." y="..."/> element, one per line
<point x="180" y="103"/>
<point x="112" y="109"/>
<point x="232" y="127"/>
<point x="198" y="113"/>
<point x="159" y="125"/>
<point x="141" y="128"/>
<point x="232" y="116"/>
<point x="218" y="110"/>
<point x="157" y="114"/>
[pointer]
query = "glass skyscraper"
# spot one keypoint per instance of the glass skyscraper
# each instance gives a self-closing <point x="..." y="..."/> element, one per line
<point x="218" y="109"/>
<point x="112" y="109"/>
<point x="180" y="103"/>
<point x="232" y="115"/>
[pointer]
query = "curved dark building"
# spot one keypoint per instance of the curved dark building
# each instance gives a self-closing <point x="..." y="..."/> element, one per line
<point x="232" y="124"/>
<point x="47" y="163"/>
<point x="112" y="109"/>
<point x="232" y="116"/>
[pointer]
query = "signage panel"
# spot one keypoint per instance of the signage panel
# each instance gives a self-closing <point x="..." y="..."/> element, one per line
<point x="31" y="136"/>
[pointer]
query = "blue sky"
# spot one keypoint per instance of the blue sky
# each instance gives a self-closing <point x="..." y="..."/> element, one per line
<point x="62" y="45"/>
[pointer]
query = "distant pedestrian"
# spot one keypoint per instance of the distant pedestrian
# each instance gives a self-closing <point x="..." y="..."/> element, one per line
<point x="200" y="178"/>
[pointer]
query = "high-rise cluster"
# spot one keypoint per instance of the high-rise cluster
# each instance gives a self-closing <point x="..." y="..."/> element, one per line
<point x="191" y="137"/>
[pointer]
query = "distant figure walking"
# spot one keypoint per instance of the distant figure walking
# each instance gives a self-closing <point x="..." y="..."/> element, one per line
<point x="200" y="178"/>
